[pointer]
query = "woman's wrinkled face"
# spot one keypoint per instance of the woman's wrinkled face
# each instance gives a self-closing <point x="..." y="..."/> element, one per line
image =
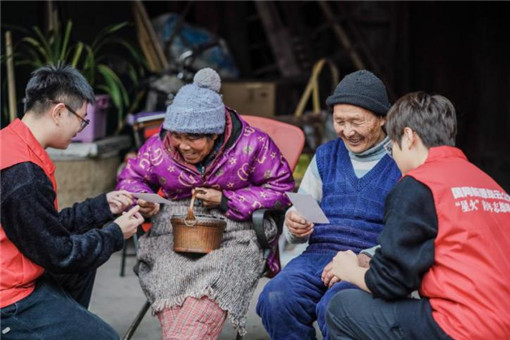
<point x="193" y="148"/>
<point x="360" y="129"/>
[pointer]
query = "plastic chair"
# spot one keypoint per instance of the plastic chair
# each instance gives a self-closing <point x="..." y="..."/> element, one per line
<point x="290" y="140"/>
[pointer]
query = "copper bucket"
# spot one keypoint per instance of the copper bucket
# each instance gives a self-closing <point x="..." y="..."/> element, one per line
<point x="197" y="234"/>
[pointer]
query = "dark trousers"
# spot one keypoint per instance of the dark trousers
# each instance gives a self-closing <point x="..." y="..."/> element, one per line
<point x="355" y="314"/>
<point x="296" y="297"/>
<point x="56" y="309"/>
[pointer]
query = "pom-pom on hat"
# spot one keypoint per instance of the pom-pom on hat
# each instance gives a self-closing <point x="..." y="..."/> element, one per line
<point x="197" y="107"/>
<point x="361" y="88"/>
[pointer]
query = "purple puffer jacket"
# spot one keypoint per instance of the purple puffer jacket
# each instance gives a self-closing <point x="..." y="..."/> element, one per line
<point x="250" y="171"/>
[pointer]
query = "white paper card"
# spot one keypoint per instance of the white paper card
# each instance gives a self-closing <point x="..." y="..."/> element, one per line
<point x="308" y="207"/>
<point x="154" y="198"/>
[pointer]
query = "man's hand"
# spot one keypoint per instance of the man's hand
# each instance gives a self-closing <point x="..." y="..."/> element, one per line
<point x="147" y="209"/>
<point x="364" y="260"/>
<point x="211" y="198"/>
<point x="118" y="201"/>
<point x="345" y="266"/>
<point x="328" y="277"/>
<point x="297" y="225"/>
<point x="129" y="221"/>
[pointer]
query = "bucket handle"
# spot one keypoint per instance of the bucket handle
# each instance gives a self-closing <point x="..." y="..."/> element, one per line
<point x="190" y="219"/>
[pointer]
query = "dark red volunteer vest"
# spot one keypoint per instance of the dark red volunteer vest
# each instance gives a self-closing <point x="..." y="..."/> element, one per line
<point x="18" y="273"/>
<point x="469" y="282"/>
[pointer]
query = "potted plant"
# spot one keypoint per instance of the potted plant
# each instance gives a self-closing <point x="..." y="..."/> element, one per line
<point x="105" y="70"/>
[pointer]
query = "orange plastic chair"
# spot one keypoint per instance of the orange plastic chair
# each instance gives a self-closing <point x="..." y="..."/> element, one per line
<point x="289" y="138"/>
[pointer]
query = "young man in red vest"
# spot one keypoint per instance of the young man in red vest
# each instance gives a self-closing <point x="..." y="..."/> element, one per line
<point x="49" y="258"/>
<point x="447" y="234"/>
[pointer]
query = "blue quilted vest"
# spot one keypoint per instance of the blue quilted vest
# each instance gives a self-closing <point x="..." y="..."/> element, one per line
<point x="354" y="206"/>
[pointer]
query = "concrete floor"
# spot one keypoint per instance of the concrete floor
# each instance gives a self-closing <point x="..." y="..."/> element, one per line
<point x="117" y="300"/>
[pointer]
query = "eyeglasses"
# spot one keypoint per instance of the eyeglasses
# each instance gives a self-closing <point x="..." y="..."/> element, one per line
<point x="83" y="122"/>
<point x="389" y="149"/>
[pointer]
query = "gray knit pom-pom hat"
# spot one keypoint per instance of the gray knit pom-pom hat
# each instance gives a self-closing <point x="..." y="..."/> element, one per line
<point x="197" y="107"/>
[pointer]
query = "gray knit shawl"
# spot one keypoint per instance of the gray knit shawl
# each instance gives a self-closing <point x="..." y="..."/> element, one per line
<point x="228" y="275"/>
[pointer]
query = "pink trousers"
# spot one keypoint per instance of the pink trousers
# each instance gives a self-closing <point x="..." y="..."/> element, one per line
<point x="196" y="319"/>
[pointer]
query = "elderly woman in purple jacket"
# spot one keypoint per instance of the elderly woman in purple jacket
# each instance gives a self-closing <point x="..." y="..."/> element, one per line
<point x="238" y="169"/>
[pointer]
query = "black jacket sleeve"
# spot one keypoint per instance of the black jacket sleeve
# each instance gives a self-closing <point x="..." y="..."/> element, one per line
<point x="34" y="226"/>
<point x="407" y="241"/>
<point x="91" y="213"/>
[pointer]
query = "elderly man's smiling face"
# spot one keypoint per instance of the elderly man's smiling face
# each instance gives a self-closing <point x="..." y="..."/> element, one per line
<point x="360" y="129"/>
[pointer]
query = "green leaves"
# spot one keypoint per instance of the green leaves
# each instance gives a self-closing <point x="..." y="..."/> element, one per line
<point x="99" y="61"/>
<point x="38" y="49"/>
<point x="114" y="87"/>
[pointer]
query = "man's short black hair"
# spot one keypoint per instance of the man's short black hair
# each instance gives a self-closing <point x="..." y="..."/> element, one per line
<point x="61" y="83"/>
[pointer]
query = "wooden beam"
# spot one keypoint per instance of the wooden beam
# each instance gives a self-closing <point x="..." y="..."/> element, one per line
<point x="279" y="38"/>
<point x="144" y="41"/>
<point x="11" y="82"/>
<point x="342" y="35"/>
<point x="151" y="34"/>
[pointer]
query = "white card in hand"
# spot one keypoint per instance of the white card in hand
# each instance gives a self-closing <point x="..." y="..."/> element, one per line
<point x="154" y="198"/>
<point x="307" y="207"/>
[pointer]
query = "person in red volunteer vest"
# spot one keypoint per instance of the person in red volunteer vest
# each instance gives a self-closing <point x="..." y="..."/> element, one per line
<point x="447" y="234"/>
<point x="49" y="258"/>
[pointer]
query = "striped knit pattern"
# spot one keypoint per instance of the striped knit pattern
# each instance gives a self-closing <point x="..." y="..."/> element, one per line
<point x="196" y="319"/>
<point x="364" y="162"/>
<point x="354" y="206"/>
<point x="228" y="275"/>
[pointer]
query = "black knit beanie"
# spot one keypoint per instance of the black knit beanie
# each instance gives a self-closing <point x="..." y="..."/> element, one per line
<point x="363" y="89"/>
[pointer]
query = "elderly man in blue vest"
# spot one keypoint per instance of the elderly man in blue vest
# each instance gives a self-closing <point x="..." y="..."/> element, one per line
<point x="350" y="178"/>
